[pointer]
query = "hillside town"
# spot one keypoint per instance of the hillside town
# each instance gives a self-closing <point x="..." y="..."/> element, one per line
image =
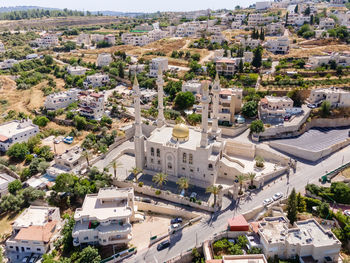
<point x="208" y="136"/>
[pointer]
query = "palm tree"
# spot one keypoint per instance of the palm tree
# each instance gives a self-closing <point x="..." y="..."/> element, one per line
<point x="241" y="178"/>
<point x="160" y="179"/>
<point x="115" y="165"/>
<point x="215" y="190"/>
<point x="86" y="155"/>
<point x="183" y="183"/>
<point x="135" y="171"/>
<point x="251" y="177"/>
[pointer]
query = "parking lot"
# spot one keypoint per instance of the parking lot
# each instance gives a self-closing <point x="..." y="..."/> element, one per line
<point x="317" y="139"/>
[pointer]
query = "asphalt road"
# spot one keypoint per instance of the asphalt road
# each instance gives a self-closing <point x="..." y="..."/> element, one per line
<point x="204" y="230"/>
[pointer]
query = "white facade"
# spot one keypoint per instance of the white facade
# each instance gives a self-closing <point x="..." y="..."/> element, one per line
<point x="83" y="39"/>
<point x="298" y="19"/>
<point x="327" y="23"/>
<point x="8" y="63"/>
<point x="249" y="42"/>
<point x="271" y="105"/>
<point x="193" y="86"/>
<point x="104" y="59"/>
<point x="76" y="71"/>
<point x="46" y="41"/>
<point x="16" y="131"/>
<point x="61" y="100"/>
<point x="157" y="63"/>
<point x="34" y="230"/>
<point x="96" y="80"/>
<point x="91" y="105"/>
<point x="104" y="218"/>
<point x="2" y="47"/>
<point x="274" y="29"/>
<point x="340" y="59"/>
<point x="5" y="179"/>
<point x="218" y="38"/>
<point x="136" y="69"/>
<point x="70" y="159"/>
<point x="279" y="45"/>
<point x="337" y="97"/>
<point x="258" y="19"/>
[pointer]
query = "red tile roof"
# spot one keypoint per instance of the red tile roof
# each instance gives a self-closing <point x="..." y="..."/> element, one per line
<point x="37" y="233"/>
<point x="238" y="223"/>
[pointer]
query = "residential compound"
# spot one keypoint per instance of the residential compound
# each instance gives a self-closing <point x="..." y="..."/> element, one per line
<point x="274" y="29"/>
<point x="274" y="109"/>
<point x="16" y="131"/>
<point x="34" y="231"/>
<point x="279" y="45"/>
<point x="259" y="19"/>
<point x="104" y="218"/>
<point x="156" y="65"/>
<point x="327" y="23"/>
<point x="104" y="59"/>
<point x="91" y="105"/>
<point x="134" y="39"/>
<point x="61" y="100"/>
<point x="76" y="71"/>
<point x="70" y="159"/>
<point x="96" y="80"/>
<point x="339" y="59"/>
<point x="307" y="239"/>
<point x="46" y="41"/>
<point x="336" y="96"/>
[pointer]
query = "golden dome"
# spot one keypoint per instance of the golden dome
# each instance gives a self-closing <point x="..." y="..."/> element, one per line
<point x="181" y="132"/>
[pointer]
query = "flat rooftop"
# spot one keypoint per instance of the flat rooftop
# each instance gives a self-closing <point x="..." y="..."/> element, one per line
<point x="244" y="259"/>
<point x="272" y="229"/>
<point x="13" y="127"/>
<point x="33" y="216"/>
<point x="5" y="179"/>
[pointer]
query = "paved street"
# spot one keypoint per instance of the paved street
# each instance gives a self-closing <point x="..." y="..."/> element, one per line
<point x="183" y="241"/>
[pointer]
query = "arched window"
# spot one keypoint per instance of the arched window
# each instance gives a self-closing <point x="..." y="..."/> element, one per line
<point x="170" y="166"/>
<point x="210" y="166"/>
<point x="190" y="158"/>
<point x="184" y="157"/>
<point x="158" y="153"/>
<point x="152" y="151"/>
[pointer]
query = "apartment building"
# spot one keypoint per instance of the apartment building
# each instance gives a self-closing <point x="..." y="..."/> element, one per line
<point x="156" y="35"/>
<point x="136" y="69"/>
<point x="218" y="38"/>
<point x="46" y="41"/>
<point x="190" y="29"/>
<point x="307" y="239"/>
<point x="249" y="42"/>
<point x="2" y="47"/>
<point x="340" y="59"/>
<point x="227" y="66"/>
<point x="8" y="63"/>
<point x="135" y="40"/>
<point x="61" y="100"/>
<point x="34" y="231"/>
<point x="344" y="18"/>
<point x="274" y="29"/>
<point x="279" y="45"/>
<point x="157" y="63"/>
<point x="76" y="71"/>
<point x="276" y="106"/>
<point x="236" y="24"/>
<point x="230" y="103"/>
<point x="193" y="86"/>
<point x="96" y="80"/>
<point x="104" y="218"/>
<point x="263" y="5"/>
<point x="83" y="39"/>
<point x="327" y="23"/>
<point x="336" y="96"/>
<point x="258" y="19"/>
<point x="104" y="59"/>
<point x="91" y="105"/>
<point x="5" y="179"/>
<point x="110" y="38"/>
<point x="143" y="27"/>
<point x="70" y="159"/>
<point x="16" y="131"/>
<point x="298" y="19"/>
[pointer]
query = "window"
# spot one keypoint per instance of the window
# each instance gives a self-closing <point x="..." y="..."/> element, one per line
<point x="28" y="248"/>
<point x="95" y="237"/>
<point x="170" y="166"/>
<point x="151" y="160"/>
<point x="210" y="166"/>
<point x="158" y="153"/>
<point x="190" y="158"/>
<point x="183" y="168"/>
<point x="38" y="249"/>
<point x="184" y="157"/>
<point x="86" y="238"/>
<point x="191" y="170"/>
<point x="159" y="162"/>
<point x="152" y="151"/>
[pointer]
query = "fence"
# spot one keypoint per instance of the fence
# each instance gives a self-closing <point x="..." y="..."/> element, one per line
<point x="120" y="256"/>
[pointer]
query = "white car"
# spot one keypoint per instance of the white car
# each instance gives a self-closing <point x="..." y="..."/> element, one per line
<point x="347" y="213"/>
<point x="277" y="196"/>
<point x="175" y="226"/>
<point x="267" y="201"/>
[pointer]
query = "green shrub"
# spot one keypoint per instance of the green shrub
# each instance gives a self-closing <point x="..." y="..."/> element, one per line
<point x="158" y="192"/>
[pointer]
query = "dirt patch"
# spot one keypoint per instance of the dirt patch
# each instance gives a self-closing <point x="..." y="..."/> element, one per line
<point x="6" y="221"/>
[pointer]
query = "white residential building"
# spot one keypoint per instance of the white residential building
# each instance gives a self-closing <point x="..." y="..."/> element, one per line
<point x="104" y="218"/>
<point x="8" y="63"/>
<point x="298" y="19"/>
<point x="218" y="38"/>
<point x="2" y="47"/>
<point x="95" y="38"/>
<point x="327" y="23"/>
<point x="148" y="95"/>
<point x="46" y="41"/>
<point x="136" y="69"/>
<point x="156" y="35"/>
<point x="275" y="106"/>
<point x="258" y="19"/>
<point x="104" y="59"/>
<point x="307" y="239"/>
<point x="340" y="59"/>
<point x="110" y="39"/>
<point x="34" y="231"/>
<point x="61" y="100"/>
<point x="91" y="105"/>
<point x="70" y="159"/>
<point x="16" y="131"/>
<point x="336" y="96"/>
<point x="249" y="42"/>
<point x="96" y="80"/>
<point x="228" y="66"/>
<point x="5" y="179"/>
<point x="157" y="63"/>
<point x="236" y="24"/>
<point x="279" y="45"/>
<point x="263" y="5"/>
<point x="194" y="86"/>
<point x="274" y="29"/>
<point x="76" y="71"/>
<point x="135" y="40"/>
<point x="83" y="39"/>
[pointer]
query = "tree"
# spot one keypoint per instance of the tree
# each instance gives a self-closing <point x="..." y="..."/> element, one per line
<point x="160" y="179"/>
<point x="301" y="204"/>
<point x="67" y="239"/>
<point x="115" y="164"/>
<point x="241" y="178"/>
<point x="80" y="122"/>
<point x="121" y="70"/>
<point x="48" y="60"/>
<point x="307" y="11"/>
<point x="250" y="109"/>
<point x="240" y="66"/>
<point x="64" y="183"/>
<point x="325" y="108"/>
<point x="286" y="19"/>
<point x="257" y="58"/>
<point x="86" y="155"/>
<point x="194" y="118"/>
<point x="14" y="186"/>
<point x="135" y="171"/>
<point x="242" y="241"/>
<point x="296" y="9"/>
<point x="184" y="100"/>
<point x="292" y="209"/>
<point x="89" y="255"/>
<point x="312" y="20"/>
<point x="251" y="177"/>
<point x="215" y="190"/>
<point x="18" y="151"/>
<point x="183" y="183"/>
<point x="257" y="126"/>
<point x="296" y="96"/>
<point x="262" y="34"/>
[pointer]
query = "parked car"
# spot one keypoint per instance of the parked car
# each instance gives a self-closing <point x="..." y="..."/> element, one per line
<point x="33" y="259"/>
<point x="25" y="259"/>
<point x="146" y="200"/>
<point x="176" y="220"/>
<point x="68" y="139"/>
<point x="277" y="196"/>
<point x="174" y="226"/>
<point x="312" y="106"/>
<point x="347" y="213"/>
<point x="57" y="141"/>
<point x="287" y="117"/>
<point x="267" y="201"/>
<point x="163" y="245"/>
